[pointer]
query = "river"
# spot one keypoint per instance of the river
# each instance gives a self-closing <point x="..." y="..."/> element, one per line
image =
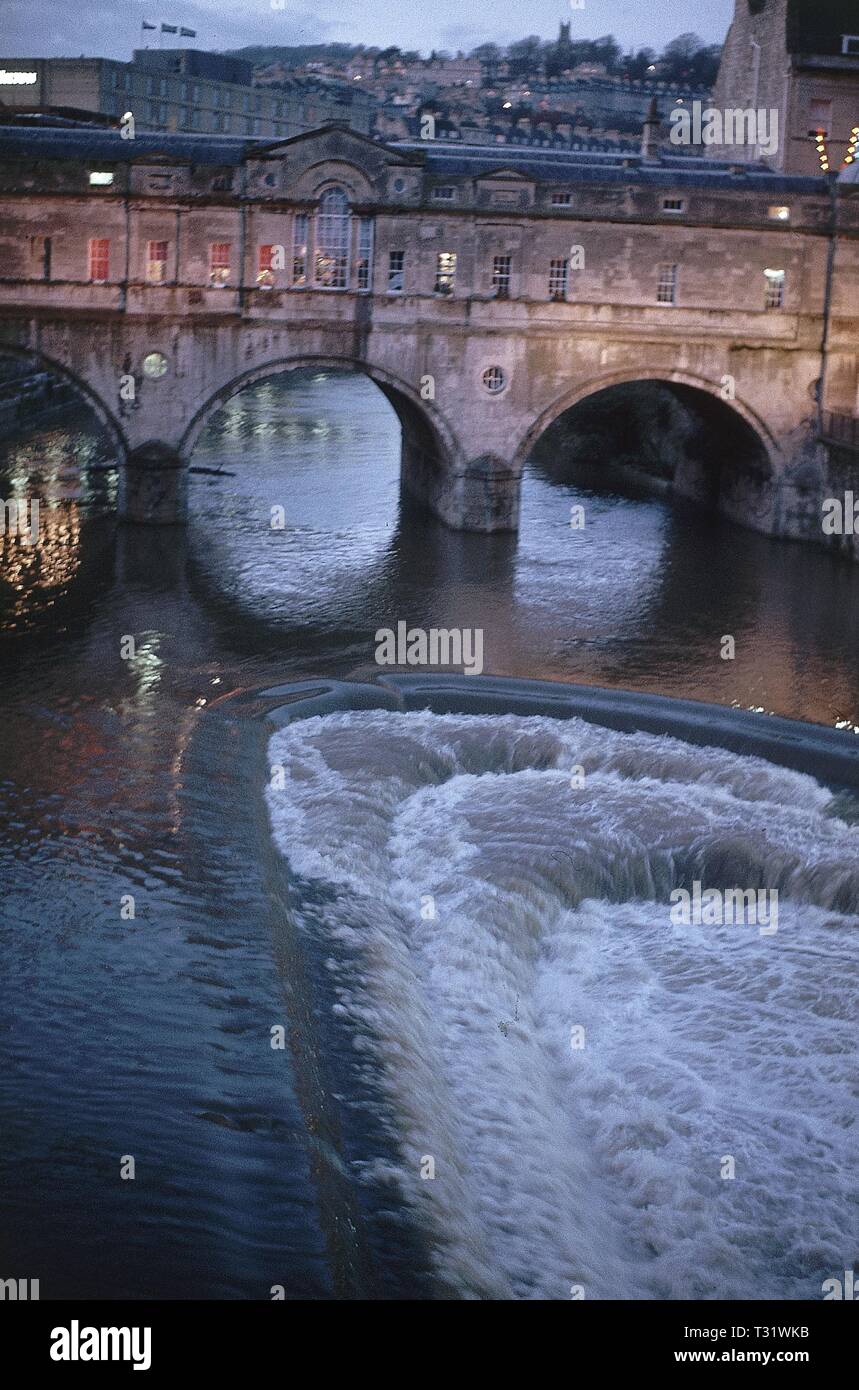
<point x="148" y="1037"/>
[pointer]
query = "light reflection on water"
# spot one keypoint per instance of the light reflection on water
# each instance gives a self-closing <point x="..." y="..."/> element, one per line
<point x="118" y="776"/>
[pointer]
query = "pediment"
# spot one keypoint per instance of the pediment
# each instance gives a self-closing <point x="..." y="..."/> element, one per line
<point x="305" y="163"/>
<point x="506" y="176"/>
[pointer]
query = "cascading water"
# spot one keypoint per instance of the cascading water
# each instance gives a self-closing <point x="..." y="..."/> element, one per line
<point x="577" y="1067"/>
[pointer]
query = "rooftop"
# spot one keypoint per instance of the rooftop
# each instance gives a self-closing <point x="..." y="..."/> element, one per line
<point x="453" y="160"/>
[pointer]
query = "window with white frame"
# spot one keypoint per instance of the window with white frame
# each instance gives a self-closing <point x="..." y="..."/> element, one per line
<point x="561" y="199"/>
<point x="300" y="233"/>
<point x="501" y="276"/>
<point x="558" y="268"/>
<point x="850" y="45"/>
<point x="396" y="272"/>
<point x="364" y="267"/>
<point x="445" y="272"/>
<point x="444" y="194"/>
<point x="156" y="262"/>
<point x="666" y="285"/>
<point x="219" y="264"/>
<point x="332" y="230"/>
<point x="673" y="204"/>
<point x="773" y="289"/>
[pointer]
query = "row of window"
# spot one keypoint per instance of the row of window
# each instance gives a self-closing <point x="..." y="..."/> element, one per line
<point x="446" y="193"/>
<point x="327" y="266"/>
<point x="215" y="96"/>
<point x="221" y="124"/>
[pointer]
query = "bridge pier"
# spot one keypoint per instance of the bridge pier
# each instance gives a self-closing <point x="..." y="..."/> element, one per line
<point x="483" y="497"/>
<point x="154" y="486"/>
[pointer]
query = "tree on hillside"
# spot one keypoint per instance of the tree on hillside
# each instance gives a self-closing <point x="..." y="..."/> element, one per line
<point x="525" y="56"/>
<point x="635" y="65"/>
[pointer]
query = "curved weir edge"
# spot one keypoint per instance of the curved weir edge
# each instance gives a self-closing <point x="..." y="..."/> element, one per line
<point x="829" y="755"/>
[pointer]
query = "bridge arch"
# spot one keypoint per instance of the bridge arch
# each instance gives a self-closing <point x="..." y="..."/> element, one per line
<point x="429" y="446"/>
<point x="41" y="361"/>
<point x="715" y="452"/>
<point x="594" y="385"/>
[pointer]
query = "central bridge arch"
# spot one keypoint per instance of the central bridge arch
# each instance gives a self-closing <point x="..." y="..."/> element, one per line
<point x="429" y="447"/>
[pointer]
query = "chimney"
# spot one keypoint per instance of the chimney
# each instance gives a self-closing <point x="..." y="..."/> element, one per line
<point x="650" y="134"/>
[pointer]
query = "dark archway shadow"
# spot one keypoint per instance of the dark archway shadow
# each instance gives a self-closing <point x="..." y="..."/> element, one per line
<point x="665" y="437"/>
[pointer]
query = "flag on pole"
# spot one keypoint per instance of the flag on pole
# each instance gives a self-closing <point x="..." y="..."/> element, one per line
<point x="169" y="29"/>
<point x="187" y="33"/>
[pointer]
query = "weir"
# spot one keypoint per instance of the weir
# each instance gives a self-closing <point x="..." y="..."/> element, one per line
<point x="830" y="755"/>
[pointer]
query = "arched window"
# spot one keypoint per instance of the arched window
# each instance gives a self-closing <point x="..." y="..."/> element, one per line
<point x="333" y="230"/>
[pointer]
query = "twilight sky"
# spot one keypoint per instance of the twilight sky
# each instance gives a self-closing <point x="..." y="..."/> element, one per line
<point x="111" y="28"/>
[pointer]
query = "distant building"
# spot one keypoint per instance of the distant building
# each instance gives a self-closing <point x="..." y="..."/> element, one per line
<point x="799" y="58"/>
<point x="182" y="90"/>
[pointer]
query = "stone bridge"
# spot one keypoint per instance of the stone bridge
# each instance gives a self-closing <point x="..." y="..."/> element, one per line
<point x="484" y="299"/>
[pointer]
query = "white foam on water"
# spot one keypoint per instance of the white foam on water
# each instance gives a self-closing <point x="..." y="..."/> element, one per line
<point x="596" y="1166"/>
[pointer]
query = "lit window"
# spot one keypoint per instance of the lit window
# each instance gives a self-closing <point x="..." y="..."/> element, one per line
<point x="444" y="195"/>
<point x="561" y="200"/>
<point x="99" y="260"/>
<point x="100" y="179"/>
<point x="501" y="276"/>
<point x="266" y="266"/>
<point x="332" y="229"/>
<point x="156" y="262"/>
<point x="558" y="278"/>
<point x="300" y="226"/>
<point x="155" y="365"/>
<point x="445" y="275"/>
<point x="666" y="285"/>
<point x="779" y="214"/>
<point x="774" y="289"/>
<point x="673" y="204"/>
<point x="396" y="272"/>
<point x="219" y="264"/>
<point x="365" y="254"/>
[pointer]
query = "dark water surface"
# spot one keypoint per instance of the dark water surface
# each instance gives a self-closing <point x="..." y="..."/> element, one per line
<point x="150" y="1036"/>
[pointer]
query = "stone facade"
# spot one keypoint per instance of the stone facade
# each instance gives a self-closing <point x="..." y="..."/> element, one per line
<point x="801" y="59"/>
<point x="569" y="277"/>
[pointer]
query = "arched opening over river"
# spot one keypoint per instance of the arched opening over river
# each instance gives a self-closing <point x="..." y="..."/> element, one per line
<point x="58" y="475"/>
<point x="294" y="494"/>
<point x="665" y="436"/>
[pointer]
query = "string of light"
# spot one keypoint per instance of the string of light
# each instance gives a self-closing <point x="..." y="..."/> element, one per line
<point x="819" y="137"/>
